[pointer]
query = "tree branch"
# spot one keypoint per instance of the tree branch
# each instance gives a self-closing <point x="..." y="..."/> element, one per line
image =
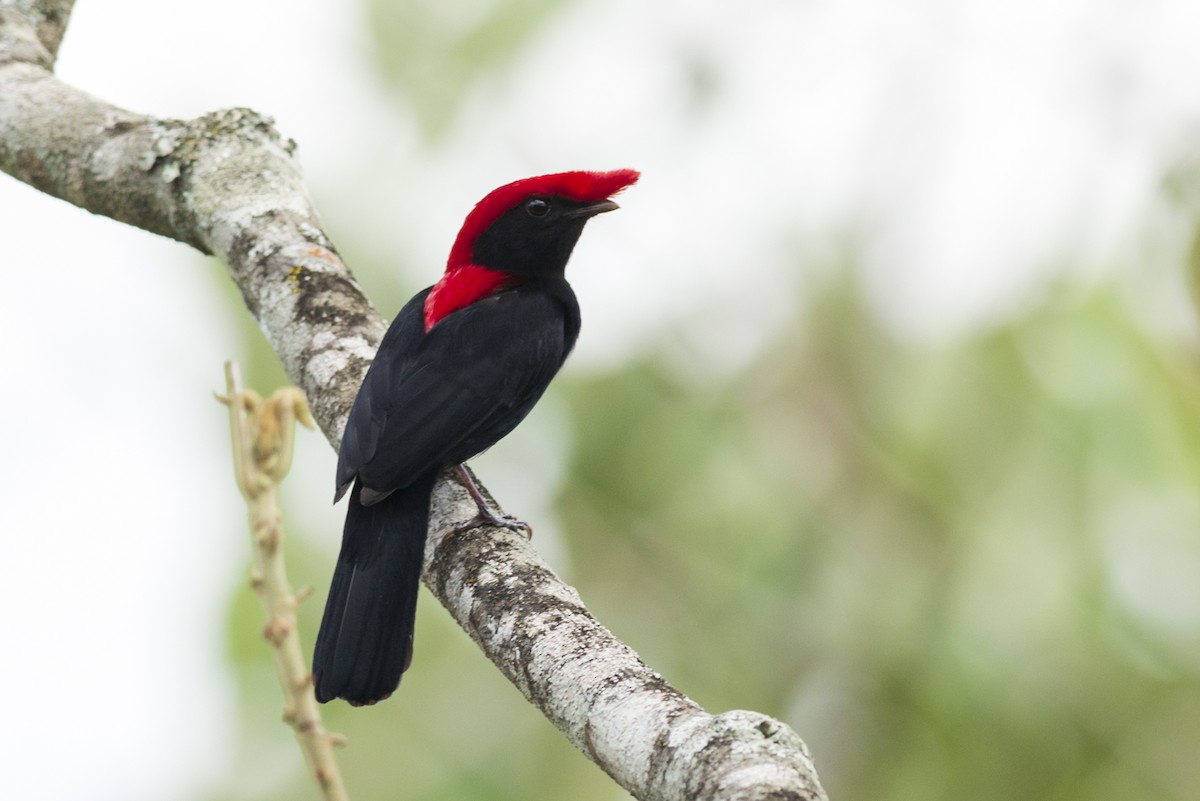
<point x="38" y="30"/>
<point x="654" y="741"/>
<point x="226" y="184"/>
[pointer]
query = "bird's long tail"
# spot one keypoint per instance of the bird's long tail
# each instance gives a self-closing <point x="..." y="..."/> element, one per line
<point x="366" y="635"/>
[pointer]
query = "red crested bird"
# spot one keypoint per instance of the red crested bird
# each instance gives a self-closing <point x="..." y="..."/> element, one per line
<point x="461" y="365"/>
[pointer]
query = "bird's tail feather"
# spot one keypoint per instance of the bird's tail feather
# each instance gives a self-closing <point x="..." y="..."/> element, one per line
<point x="366" y="635"/>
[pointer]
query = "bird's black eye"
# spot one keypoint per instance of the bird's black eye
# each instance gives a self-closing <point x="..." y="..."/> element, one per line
<point x="537" y="207"/>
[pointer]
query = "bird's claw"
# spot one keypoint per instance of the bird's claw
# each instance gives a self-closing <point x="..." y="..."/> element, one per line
<point x="488" y="517"/>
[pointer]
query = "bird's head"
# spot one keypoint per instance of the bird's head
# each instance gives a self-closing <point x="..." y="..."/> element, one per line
<point x="524" y="229"/>
<point x="529" y="227"/>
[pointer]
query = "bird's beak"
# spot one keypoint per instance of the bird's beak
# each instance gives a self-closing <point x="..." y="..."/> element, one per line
<point x="592" y="209"/>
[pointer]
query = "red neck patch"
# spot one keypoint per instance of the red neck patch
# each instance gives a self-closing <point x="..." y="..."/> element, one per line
<point x="461" y="287"/>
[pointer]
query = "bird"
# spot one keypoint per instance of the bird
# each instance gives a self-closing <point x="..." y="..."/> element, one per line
<point x="462" y="364"/>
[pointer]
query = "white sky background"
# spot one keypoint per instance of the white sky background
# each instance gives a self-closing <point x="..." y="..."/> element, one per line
<point x="975" y="146"/>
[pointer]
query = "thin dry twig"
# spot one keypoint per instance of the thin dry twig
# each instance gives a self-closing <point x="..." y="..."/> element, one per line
<point x="263" y="433"/>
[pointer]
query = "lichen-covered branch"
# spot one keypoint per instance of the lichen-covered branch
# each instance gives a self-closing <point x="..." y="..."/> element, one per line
<point x="226" y="183"/>
<point x="653" y="740"/>
<point x="38" y="30"/>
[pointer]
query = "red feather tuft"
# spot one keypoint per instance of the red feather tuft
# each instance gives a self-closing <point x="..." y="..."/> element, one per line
<point x="461" y="287"/>
<point x="464" y="283"/>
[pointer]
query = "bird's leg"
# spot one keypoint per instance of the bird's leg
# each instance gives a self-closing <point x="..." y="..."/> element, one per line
<point x="486" y="515"/>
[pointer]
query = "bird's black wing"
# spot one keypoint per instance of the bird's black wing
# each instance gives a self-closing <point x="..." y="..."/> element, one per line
<point x="464" y="385"/>
<point x="368" y="414"/>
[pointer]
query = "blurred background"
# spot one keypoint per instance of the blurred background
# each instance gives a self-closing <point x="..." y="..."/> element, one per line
<point x="883" y="420"/>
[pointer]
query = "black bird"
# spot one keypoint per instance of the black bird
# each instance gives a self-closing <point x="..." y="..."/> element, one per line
<point x="461" y="365"/>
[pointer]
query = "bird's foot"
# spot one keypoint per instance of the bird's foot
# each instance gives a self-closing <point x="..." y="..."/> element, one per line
<point x="487" y="516"/>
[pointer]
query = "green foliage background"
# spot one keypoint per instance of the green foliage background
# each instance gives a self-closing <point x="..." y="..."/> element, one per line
<point x="961" y="570"/>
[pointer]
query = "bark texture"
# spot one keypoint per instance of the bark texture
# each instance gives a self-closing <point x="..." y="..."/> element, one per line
<point x="654" y="741"/>
<point x="226" y="184"/>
